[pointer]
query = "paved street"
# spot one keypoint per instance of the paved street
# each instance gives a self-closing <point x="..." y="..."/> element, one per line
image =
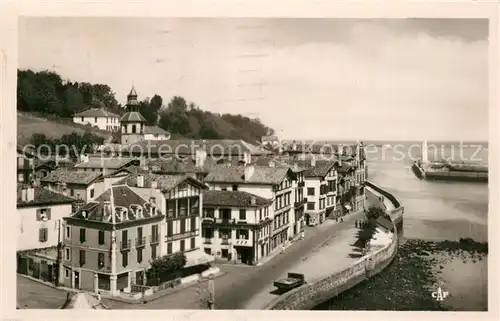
<point x="34" y="295"/>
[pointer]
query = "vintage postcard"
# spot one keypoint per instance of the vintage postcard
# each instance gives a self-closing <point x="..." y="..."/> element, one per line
<point x="252" y="163"/>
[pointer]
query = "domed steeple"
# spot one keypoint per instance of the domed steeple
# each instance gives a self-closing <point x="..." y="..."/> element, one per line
<point x="132" y="98"/>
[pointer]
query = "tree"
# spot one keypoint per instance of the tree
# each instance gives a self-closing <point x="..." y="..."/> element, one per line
<point x="374" y="213"/>
<point x="166" y="268"/>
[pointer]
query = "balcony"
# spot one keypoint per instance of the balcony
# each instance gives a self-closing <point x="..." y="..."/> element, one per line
<point x="301" y="184"/>
<point x="207" y="240"/>
<point x="154" y="239"/>
<point x="125" y="245"/>
<point x="300" y="203"/>
<point x="182" y="235"/>
<point x="243" y="242"/>
<point x="140" y="241"/>
<point x="224" y="241"/>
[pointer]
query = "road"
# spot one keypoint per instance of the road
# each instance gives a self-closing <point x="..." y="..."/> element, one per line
<point x="35" y="295"/>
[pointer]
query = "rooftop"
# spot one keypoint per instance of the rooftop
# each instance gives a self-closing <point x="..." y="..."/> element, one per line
<point x="42" y="196"/>
<point x="123" y="196"/>
<point x="96" y="112"/>
<point x="233" y="198"/>
<point x="71" y="177"/>
<point x="154" y="130"/>
<point x="164" y="182"/>
<point x="235" y="174"/>
<point x="106" y="162"/>
<point x="188" y="147"/>
<point x="133" y="116"/>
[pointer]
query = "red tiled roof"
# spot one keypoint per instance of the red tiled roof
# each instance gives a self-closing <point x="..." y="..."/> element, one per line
<point x="71" y="177"/>
<point x="42" y="197"/>
<point x="233" y="198"/>
<point x="96" y="112"/>
<point x="235" y="174"/>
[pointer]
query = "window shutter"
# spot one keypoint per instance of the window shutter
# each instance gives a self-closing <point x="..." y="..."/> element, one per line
<point x="38" y="212"/>
<point x="49" y="213"/>
<point x="193" y="224"/>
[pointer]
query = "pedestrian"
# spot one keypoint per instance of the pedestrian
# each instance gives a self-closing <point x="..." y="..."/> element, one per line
<point x="341" y="220"/>
<point x="356" y="223"/>
<point x="282" y="248"/>
<point x="302" y="234"/>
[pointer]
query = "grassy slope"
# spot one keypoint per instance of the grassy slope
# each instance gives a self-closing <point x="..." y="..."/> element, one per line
<point x="29" y="124"/>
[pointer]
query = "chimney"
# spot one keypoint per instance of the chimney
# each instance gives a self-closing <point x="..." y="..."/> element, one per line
<point x="140" y="181"/>
<point x="154" y="185"/>
<point x="107" y="183"/>
<point x="200" y="157"/>
<point x="253" y="200"/>
<point x="247" y="157"/>
<point x="313" y="160"/>
<point x="249" y="170"/>
<point x="294" y="145"/>
<point x="24" y="194"/>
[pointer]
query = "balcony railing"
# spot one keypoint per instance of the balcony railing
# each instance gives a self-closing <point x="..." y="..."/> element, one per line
<point x="140" y="241"/>
<point x="225" y="241"/>
<point x="207" y="240"/>
<point x="182" y="235"/>
<point x="126" y="245"/>
<point x="301" y="184"/>
<point x="154" y="239"/>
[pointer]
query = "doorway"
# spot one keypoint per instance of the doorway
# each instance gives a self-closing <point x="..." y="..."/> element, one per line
<point x="77" y="280"/>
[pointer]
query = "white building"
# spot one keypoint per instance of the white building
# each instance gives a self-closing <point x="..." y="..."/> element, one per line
<point x="99" y="117"/>
<point x="40" y="212"/>
<point x="155" y="133"/>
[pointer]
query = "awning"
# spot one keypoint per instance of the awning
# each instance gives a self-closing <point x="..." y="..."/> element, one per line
<point x="197" y="258"/>
<point x="348" y="207"/>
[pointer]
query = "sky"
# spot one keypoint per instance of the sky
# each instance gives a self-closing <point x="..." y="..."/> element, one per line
<point x="395" y="79"/>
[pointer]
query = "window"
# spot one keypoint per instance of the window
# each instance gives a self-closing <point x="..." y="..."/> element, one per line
<point x="224" y="253"/>
<point x="124" y="259"/>
<point x="67" y="254"/>
<point x="310" y="191"/>
<point x="83" y="235"/>
<point x="100" y="260"/>
<point x="68" y="232"/>
<point x="72" y="192"/>
<point x="310" y="205"/>
<point x="182" y="186"/>
<point x="154" y="234"/>
<point x="95" y="119"/>
<point x="101" y="237"/>
<point x="208" y="251"/>
<point x="193" y="224"/>
<point x="153" y="252"/>
<point x="235" y="187"/>
<point x="171" y="210"/>
<point x="193" y="243"/>
<point x="183" y="245"/>
<point x="43" y="234"/>
<point x="82" y="119"/>
<point x="82" y="257"/>
<point x="242" y="234"/>
<point x="124" y="237"/>
<point x="92" y="191"/>
<point x="20" y="177"/>
<point x="169" y="248"/>
<point x="66" y="273"/>
<point x="170" y="228"/>
<point x="43" y="214"/>
<point x="183" y="226"/>
<point x="139" y="255"/>
<point x="243" y="214"/>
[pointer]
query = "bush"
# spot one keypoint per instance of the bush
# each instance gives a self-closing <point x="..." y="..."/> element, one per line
<point x="166" y="268"/>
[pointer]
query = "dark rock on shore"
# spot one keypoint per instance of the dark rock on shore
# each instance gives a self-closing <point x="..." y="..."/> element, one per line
<point x="407" y="284"/>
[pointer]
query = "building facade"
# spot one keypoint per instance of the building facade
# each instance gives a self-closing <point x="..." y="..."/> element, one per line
<point x="75" y="184"/>
<point x="235" y="226"/>
<point x="109" y="242"/>
<point x="321" y="186"/>
<point x="99" y="117"/>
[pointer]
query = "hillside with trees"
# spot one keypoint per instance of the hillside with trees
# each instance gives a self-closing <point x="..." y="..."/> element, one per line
<point x="47" y="94"/>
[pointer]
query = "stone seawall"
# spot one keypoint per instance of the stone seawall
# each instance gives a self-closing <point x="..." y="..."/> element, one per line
<point x="310" y="295"/>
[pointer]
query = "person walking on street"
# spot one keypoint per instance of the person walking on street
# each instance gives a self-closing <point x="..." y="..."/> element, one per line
<point x="356" y="223"/>
<point x="302" y="234"/>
